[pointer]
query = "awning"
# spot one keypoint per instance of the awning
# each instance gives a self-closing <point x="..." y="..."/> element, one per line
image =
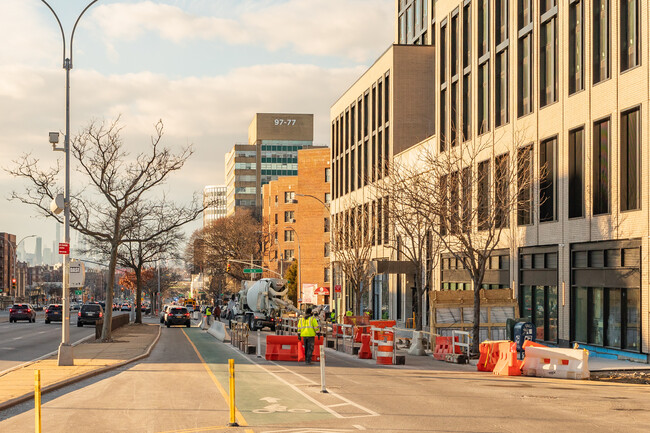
<point x="322" y="291"/>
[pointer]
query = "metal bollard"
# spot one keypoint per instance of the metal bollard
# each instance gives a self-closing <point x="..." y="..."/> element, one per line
<point x="37" y="401"/>
<point x="259" y="343"/>
<point x="322" y="369"/>
<point x="231" y="370"/>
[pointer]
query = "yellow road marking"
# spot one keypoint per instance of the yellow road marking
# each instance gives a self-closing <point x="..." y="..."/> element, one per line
<point x="223" y="392"/>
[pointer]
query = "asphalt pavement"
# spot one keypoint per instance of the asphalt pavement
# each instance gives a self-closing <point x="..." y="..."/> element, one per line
<point x="183" y="387"/>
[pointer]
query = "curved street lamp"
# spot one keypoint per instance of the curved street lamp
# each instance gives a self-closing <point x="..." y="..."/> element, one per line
<point x="65" y="349"/>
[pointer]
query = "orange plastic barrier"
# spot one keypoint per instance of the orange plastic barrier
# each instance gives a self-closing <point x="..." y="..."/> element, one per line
<point x="443" y="347"/>
<point x="315" y="356"/>
<point x="383" y="323"/>
<point x="359" y="331"/>
<point x="508" y="364"/>
<point x="276" y="351"/>
<point x="489" y="355"/>
<point x="356" y="320"/>
<point x="365" y="352"/>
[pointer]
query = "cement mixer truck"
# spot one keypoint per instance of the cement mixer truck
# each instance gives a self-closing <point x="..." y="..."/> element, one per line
<point x="261" y="303"/>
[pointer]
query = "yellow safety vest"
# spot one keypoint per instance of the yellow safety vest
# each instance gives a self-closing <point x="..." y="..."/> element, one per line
<point x="308" y="327"/>
<point x="208" y="312"/>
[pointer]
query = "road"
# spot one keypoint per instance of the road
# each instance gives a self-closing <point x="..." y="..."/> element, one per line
<point x="23" y="341"/>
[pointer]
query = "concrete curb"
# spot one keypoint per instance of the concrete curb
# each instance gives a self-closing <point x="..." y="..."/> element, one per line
<point x="29" y="396"/>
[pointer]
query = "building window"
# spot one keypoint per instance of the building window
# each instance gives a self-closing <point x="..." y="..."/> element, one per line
<point x="501" y="193"/>
<point x="467" y="71"/>
<point x="454" y="124"/>
<point x="288" y="216"/>
<point x="548" y="53"/>
<point x="501" y="65"/>
<point x="600" y="162"/>
<point x="289" y="235"/>
<point x="483" y="195"/>
<point x="484" y="67"/>
<point x="443" y="86"/>
<point x="576" y="173"/>
<point x="386" y="214"/>
<point x="525" y="59"/>
<point x="289" y="196"/>
<point x="276" y="219"/>
<point x="288" y="255"/>
<point x="386" y="97"/>
<point x="409" y="22"/>
<point x="600" y="36"/>
<point x="539" y="306"/>
<point x="326" y="275"/>
<point x="466" y="199"/>
<point x="576" y="46"/>
<point x="326" y="225"/>
<point x="547" y="181"/>
<point x="524" y="185"/>
<point x="326" y="252"/>
<point x="629" y="37"/>
<point x="629" y="160"/>
<point x="328" y="174"/>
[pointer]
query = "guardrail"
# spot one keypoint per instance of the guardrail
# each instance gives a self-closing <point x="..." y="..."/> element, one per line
<point x="116" y="322"/>
<point x="464" y="340"/>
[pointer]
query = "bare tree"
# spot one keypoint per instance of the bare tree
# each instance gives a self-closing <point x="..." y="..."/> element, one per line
<point x="237" y="237"/>
<point x="114" y="183"/>
<point x="401" y="195"/>
<point x="474" y="194"/>
<point x="351" y="247"/>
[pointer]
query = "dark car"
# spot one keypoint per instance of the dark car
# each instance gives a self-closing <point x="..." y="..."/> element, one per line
<point x="22" y="312"/>
<point x="54" y="313"/>
<point x="89" y="314"/>
<point x="177" y="316"/>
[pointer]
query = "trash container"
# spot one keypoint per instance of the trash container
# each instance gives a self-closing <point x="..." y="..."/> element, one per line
<point x="523" y="331"/>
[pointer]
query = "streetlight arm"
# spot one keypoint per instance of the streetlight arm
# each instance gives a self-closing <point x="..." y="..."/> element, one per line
<point x="315" y="198"/>
<point x="75" y="27"/>
<point x="60" y="27"/>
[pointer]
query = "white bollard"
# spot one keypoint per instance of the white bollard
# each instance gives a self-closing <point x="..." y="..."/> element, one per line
<point x="322" y="369"/>
<point x="259" y="343"/>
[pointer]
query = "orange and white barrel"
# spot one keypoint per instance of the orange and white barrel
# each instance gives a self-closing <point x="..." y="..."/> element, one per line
<point x="385" y="353"/>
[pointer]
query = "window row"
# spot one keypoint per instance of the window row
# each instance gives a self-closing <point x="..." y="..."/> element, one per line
<point x="363" y="225"/>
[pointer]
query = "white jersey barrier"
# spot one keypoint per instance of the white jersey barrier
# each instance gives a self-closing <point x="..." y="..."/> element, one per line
<point x="204" y="322"/>
<point x="558" y="363"/>
<point x="218" y="330"/>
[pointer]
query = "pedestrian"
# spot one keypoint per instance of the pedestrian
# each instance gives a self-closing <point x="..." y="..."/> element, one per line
<point x="307" y="329"/>
<point x="217" y="312"/>
<point x="208" y="314"/>
<point x="333" y="316"/>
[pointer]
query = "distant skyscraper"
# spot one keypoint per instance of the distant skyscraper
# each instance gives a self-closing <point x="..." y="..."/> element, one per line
<point x="214" y="197"/>
<point x="272" y="151"/>
<point x="38" y="251"/>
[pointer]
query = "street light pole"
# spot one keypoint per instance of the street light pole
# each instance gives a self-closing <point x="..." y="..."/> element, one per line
<point x="66" y="356"/>
<point x="299" y="290"/>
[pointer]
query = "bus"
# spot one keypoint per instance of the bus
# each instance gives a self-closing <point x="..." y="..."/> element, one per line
<point x="190" y="303"/>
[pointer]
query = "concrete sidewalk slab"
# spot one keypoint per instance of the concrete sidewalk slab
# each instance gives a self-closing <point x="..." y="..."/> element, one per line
<point x="130" y="343"/>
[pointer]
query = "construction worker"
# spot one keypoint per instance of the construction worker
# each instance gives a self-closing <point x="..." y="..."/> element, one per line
<point x="333" y="316"/>
<point x="348" y="313"/>
<point x="208" y="314"/>
<point x="307" y="329"/>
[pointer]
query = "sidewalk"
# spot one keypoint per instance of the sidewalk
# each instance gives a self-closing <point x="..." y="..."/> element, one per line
<point x="130" y="343"/>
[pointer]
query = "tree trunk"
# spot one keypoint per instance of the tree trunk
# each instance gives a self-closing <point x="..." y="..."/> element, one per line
<point x="418" y="305"/>
<point x="477" y="316"/>
<point x="357" y="299"/>
<point x="138" y="294"/>
<point x="108" y="314"/>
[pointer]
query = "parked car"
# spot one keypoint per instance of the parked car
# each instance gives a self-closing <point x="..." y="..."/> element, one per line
<point x="54" y="313"/>
<point x="22" y="312"/>
<point x="116" y="306"/>
<point x="178" y="316"/>
<point x="163" y="312"/>
<point x="89" y="314"/>
<point x="125" y="307"/>
<point x="74" y="306"/>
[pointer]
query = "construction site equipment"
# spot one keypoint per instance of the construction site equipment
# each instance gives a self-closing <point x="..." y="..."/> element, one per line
<point x="557" y="363"/>
<point x="262" y="303"/>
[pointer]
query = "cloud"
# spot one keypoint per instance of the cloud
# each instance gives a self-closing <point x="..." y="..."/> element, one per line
<point x="346" y="28"/>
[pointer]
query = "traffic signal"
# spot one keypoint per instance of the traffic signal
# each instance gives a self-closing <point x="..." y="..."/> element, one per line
<point x="13" y="283"/>
<point x="228" y="267"/>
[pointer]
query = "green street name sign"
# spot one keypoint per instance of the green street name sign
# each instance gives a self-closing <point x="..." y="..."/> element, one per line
<point x="252" y="271"/>
<point x="78" y="292"/>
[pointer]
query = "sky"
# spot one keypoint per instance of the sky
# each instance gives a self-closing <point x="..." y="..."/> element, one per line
<point x="203" y="67"/>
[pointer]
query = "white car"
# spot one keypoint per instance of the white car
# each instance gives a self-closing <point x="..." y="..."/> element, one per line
<point x="125" y="307"/>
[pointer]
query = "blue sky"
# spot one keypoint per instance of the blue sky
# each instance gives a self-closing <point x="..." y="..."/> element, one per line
<point x="204" y="67"/>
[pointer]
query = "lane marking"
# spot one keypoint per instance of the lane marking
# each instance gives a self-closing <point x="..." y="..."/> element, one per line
<point x="198" y="429"/>
<point x="223" y="392"/>
<point x="311" y="382"/>
<point x="359" y="427"/>
<point x="17" y="338"/>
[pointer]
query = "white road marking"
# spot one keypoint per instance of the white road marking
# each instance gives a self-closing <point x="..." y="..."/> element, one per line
<point x="17" y="338"/>
<point x="359" y="427"/>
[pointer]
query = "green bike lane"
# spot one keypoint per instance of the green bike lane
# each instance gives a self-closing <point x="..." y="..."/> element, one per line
<point x="262" y="397"/>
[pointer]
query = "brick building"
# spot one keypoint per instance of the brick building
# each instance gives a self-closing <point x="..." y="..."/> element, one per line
<point x="296" y="220"/>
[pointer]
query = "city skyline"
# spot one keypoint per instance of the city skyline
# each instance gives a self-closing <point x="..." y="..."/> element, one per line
<point x="128" y="66"/>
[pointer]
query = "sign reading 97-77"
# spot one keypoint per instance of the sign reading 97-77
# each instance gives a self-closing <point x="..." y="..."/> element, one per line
<point x="284" y="122"/>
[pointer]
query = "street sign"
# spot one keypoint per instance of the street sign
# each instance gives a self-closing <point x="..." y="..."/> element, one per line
<point x="337" y="288"/>
<point x="78" y="292"/>
<point x="64" y="248"/>
<point x="252" y="271"/>
<point x="77" y="274"/>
